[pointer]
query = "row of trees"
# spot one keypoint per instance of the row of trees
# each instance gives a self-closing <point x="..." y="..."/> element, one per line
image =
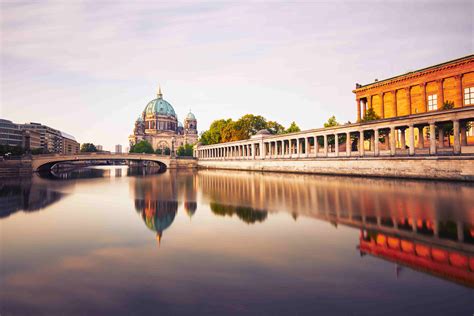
<point x="145" y="147"/>
<point x="222" y="131"/>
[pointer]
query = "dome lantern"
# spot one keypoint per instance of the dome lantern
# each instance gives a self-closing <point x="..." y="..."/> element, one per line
<point x="159" y="95"/>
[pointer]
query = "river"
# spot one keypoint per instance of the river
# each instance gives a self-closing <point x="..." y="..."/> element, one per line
<point x="107" y="240"/>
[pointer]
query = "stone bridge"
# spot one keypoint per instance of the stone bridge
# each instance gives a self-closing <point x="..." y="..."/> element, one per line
<point x="47" y="161"/>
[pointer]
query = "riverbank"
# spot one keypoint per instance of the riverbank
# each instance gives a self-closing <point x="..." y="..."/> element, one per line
<point x="431" y="168"/>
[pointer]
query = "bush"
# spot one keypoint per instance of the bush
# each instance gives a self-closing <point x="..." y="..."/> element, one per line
<point x="142" y="147"/>
<point x="164" y="151"/>
<point x="448" y="105"/>
<point x="185" y="151"/>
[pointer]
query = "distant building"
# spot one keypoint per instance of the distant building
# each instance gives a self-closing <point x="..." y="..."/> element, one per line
<point x="99" y="148"/>
<point x="31" y="140"/>
<point x="118" y="149"/>
<point x="50" y="138"/>
<point x="158" y="124"/>
<point x="10" y="133"/>
<point x="70" y="145"/>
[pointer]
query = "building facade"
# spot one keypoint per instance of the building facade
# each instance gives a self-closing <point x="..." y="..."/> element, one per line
<point x="10" y="134"/>
<point x="158" y="124"/>
<point x="52" y="140"/>
<point x="420" y="91"/>
<point x="118" y="149"/>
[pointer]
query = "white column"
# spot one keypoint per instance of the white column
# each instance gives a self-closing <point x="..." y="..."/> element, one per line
<point x="325" y="145"/>
<point x="316" y="146"/>
<point x="457" y="141"/>
<point x="297" y="147"/>
<point x="306" y="146"/>
<point x="336" y="145"/>
<point x="411" y="140"/>
<point x="432" y="139"/>
<point x="393" y="140"/>
<point x="376" y="142"/>
<point x="361" y="143"/>
<point x="348" y="144"/>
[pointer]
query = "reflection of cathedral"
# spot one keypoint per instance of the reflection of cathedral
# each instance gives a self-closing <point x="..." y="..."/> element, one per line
<point x="156" y="199"/>
<point x="158" y="124"/>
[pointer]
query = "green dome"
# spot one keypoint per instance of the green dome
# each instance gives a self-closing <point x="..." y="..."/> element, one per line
<point x="190" y="116"/>
<point x="159" y="106"/>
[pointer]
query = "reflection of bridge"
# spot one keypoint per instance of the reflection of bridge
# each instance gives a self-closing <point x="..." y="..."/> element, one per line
<point x="46" y="162"/>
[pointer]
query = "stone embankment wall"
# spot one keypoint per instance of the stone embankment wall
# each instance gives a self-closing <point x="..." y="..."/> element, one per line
<point x="183" y="163"/>
<point x="15" y="168"/>
<point x="442" y="168"/>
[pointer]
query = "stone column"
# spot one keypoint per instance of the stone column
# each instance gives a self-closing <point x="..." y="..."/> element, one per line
<point x="325" y="145"/>
<point x="411" y="140"/>
<point x="421" y="138"/>
<point x="463" y="135"/>
<point x="253" y="151"/>
<point x="440" y="137"/>
<point x="297" y="147"/>
<point x="336" y="145"/>
<point x="306" y="146"/>
<point x="316" y="146"/>
<point x="408" y="99"/>
<point x="348" y="144"/>
<point x="358" y="110"/>
<point x="432" y="139"/>
<point x="403" y="144"/>
<point x="440" y="94"/>
<point x="457" y="141"/>
<point x="376" y="142"/>
<point x="423" y="96"/>
<point x="395" y="102"/>
<point x="361" y="143"/>
<point x="393" y="141"/>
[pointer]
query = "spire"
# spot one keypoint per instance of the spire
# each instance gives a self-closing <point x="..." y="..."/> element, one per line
<point x="159" y="94"/>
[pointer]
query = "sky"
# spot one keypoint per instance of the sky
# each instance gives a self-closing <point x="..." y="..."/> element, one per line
<point x="89" y="68"/>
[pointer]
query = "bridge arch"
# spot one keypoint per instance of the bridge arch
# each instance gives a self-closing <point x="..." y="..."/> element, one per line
<point x="46" y="162"/>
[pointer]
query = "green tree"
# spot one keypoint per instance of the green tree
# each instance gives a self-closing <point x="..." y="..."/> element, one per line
<point x="185" y="151"/>
<point x="331" y="122"/>
<point x="293" y="128"/>
<point x="448" y="105"/>
<point x="275" y="128"/>
<point x="142" y="147"/>
<point x="370" y="115"/>
<point x="88" y="148"/>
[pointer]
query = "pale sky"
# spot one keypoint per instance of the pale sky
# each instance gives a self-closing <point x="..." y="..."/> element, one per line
<point x="90" y="68"/>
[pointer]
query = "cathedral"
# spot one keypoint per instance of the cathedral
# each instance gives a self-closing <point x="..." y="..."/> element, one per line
<point x="158" y="124"/>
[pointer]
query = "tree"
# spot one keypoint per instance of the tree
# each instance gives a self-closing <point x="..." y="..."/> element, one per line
<point x="331" y="122"/>
<point x="142" y="147"/>
<point x="370" y="115"/>
<point x="185" y="151"/>
<point x="275" y="128"/>
<point x="293" y="128"/>
<point x="448" y="105"/>
<point x="88" y="148"/>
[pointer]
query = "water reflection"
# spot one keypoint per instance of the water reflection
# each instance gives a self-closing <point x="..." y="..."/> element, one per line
<point x="256" y="243"/>
<point x="28" y="195"/>
<point x="437" y="217"/>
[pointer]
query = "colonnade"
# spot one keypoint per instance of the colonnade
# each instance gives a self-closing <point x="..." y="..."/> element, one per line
<point x="421" y="134"/>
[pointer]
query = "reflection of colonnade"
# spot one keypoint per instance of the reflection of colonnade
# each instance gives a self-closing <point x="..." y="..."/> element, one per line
<point x="423" y="225"/>
<point x="421" y="209"/>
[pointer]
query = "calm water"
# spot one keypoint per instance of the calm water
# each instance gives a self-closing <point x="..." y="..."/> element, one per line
<point x="103" y="241"/>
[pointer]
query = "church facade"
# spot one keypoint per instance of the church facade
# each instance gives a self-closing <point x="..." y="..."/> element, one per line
<point x="158" y="124"/>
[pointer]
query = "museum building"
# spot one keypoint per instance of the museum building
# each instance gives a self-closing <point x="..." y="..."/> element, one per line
<point x="158" y="124"/>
